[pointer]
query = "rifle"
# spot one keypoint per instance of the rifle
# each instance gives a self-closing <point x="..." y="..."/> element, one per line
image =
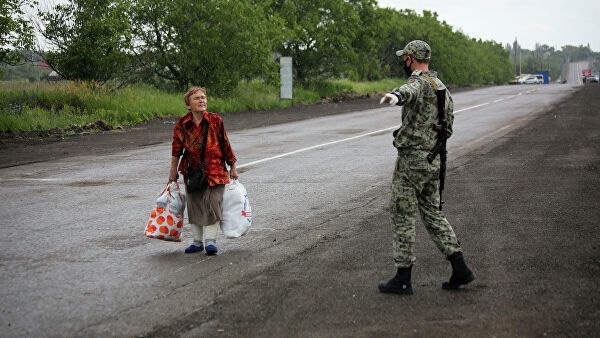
<point x="442" y="137"/>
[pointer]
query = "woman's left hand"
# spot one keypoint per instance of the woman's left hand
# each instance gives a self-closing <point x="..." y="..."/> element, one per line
<point x="233" y="172"/>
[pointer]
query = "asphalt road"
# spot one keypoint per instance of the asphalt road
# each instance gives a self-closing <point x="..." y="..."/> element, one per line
<point x="520" y="195"/>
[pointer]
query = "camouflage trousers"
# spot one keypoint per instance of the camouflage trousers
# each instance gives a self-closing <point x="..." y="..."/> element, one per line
<point x="415" y="187"/>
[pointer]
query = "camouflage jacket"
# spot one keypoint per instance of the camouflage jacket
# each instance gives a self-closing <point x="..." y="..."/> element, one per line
<point x="419" y="112"/>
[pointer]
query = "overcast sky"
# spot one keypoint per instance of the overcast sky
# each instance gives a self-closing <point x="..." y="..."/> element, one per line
<point x="554" y="23"/>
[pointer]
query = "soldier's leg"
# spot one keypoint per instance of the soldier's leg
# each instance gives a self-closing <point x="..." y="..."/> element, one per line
<point x="435" y="222"/>
<point x="403" y="209"/>
<point x="403" y="206"/>
<point x="443" y="236"/>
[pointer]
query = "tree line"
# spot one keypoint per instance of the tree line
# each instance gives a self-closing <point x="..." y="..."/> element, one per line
<point x="547" y="58"/>
<point x="219" y="43"/>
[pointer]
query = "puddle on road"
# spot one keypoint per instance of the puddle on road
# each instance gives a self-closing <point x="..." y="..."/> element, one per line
<point x="123" y="242"/>
<point x="383" y="132"/>
<point x="349" y="131"/>
<point x="83" y="184"/>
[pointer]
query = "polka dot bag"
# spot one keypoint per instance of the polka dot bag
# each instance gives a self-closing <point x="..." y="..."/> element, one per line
<point x="166" y="219"/>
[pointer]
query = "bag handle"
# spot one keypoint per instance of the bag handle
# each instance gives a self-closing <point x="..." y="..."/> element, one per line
<point x="205" y="132"/>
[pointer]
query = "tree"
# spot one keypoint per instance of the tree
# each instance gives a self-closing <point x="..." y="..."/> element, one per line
<point x="366" y="41"/>
<point x="90" y="39"/>
<point x="393" y="33"/>
<point x="16" y="33"/>
<point x="319" y="36"/>
<point x="459" y="59"/>
<point x="211" y="43"/>
<point x="516" y="55"/>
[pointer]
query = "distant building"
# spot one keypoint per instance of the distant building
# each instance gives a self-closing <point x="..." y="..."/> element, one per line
<point x="53" y="76"/>
<point x="43" y="65"/>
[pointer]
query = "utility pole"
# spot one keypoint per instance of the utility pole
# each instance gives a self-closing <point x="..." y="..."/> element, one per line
<point x="520" y="60"/>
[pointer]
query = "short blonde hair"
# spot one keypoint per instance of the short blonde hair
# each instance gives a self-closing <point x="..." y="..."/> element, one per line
<point x="192" y="91"/>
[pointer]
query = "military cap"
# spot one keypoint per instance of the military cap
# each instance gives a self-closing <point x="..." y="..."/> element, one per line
<point x="418" y="49"/>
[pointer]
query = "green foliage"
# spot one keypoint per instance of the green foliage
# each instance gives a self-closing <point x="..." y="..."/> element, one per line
<point x="366" y="43"/>
<point x="219" y="44"/>
<point x="458" y="59"/>
<point x="318" y="36"/>
<point x="16" y="32"/>
<point x="367" y="87"/>
<point x="211" y="43"/>
<point x="91" y="38"/>
<point x="44" y="106"/>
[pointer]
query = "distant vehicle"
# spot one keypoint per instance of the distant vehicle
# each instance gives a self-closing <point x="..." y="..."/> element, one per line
<point x="517" y="78"/>
<point x="532" y="79"/>
<point x="592" y="78"/>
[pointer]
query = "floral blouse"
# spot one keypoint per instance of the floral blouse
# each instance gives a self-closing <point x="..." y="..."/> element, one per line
<point x="187" y="142"/>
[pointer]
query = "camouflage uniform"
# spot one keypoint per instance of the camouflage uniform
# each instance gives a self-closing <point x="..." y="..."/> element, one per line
<point x="415" y="182"/>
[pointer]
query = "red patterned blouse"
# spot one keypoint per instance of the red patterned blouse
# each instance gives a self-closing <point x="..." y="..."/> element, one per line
<point x="187" y="142"/>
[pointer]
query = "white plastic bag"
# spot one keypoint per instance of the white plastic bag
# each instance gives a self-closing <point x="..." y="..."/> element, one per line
<point x="172" y="198"/>
<point x="166" y="218"/>
<point x="236" y="211"/>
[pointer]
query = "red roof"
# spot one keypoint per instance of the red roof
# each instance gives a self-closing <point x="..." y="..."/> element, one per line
<point x="43" y="65"/>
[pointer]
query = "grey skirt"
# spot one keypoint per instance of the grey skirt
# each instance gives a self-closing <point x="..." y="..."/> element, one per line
<point x="204" y="208"/>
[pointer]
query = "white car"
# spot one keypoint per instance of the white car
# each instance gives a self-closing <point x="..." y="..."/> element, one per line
<point x="532" y="79"/>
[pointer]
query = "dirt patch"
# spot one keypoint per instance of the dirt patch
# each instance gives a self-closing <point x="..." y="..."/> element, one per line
<point x="25" y="136"/>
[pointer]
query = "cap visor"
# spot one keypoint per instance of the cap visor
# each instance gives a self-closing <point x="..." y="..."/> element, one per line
<point x="400" y="52"/>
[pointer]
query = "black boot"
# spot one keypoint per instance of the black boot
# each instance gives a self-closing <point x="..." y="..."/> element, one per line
<point x="399" y="284"/>
<point x="461" y="274"/>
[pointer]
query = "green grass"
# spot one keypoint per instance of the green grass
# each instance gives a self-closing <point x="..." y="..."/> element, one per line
<point x="46" y="106"/>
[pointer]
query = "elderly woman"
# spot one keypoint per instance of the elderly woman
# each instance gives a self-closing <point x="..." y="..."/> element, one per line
<point x="204" y="207"/>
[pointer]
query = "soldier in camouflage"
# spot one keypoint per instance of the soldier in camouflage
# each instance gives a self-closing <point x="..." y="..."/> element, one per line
<point x="415" y="181"/>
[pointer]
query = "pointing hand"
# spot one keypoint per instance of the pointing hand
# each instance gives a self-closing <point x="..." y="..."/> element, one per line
<point x="389" y="98"/>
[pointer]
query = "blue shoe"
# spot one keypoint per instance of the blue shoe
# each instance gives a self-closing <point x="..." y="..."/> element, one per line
<point x="192" y="248"/>
<point x="211" y="250"/>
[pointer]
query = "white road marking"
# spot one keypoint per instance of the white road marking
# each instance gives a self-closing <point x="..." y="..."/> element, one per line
<point x="361" y="135"/>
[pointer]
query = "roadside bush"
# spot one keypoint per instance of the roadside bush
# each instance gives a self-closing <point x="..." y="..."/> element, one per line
<point x="45" y="106"/>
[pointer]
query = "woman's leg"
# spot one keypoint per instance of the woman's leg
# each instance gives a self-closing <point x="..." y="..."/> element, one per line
<point x="210" y="233"/>
<point x="197" y="245"/>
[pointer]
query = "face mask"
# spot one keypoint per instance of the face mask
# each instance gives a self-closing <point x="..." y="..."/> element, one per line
<point x="407" y="69"/>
